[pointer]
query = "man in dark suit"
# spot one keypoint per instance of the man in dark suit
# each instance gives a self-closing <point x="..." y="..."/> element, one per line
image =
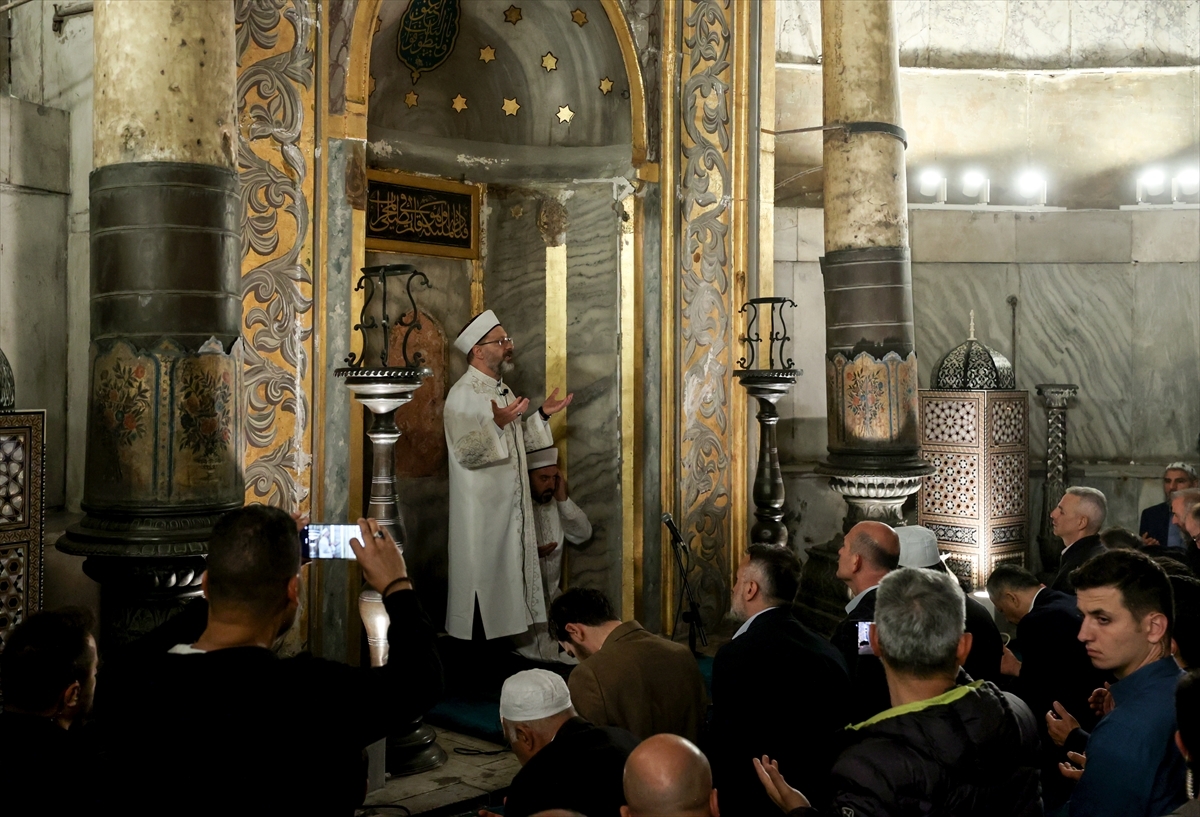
<point x="1077" y="521"/>
<point x="777" y="687"/>
<point x="918" y="548"/>
<point x="1156" y="526"/>
<point x="627" y="677"/>
<point x="869" y="552"/>
<point x="1054" y="671"/>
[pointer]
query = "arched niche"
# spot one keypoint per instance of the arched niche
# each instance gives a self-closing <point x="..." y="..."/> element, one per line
<point x="558" y="235"/>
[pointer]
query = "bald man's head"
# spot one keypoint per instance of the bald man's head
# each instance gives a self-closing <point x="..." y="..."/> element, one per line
<point x="877" y="543"/>
<point x="667" y="776"/>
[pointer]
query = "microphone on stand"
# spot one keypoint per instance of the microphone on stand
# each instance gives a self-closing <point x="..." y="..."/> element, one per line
<point x="692" y="616"/>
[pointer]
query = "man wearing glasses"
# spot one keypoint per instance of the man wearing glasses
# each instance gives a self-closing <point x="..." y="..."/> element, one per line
<point x="495" y="582"/>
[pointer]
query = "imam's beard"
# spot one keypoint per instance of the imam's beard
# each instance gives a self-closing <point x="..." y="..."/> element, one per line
<point x="506" y="366"/>
<point x="544" y="497"/>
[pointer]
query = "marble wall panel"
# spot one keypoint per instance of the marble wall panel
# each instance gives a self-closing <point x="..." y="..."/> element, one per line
<point x="785" y="234"/>
<point x="515" y="284"/>
<point x="963" y="236"/>
<point x="943" y="297"/>
<point x="652" y="528"/>
<point x="1089" y="236"/>
<point x="1166" y="235"/>
<point x="1076" y="326"/>
<point x="1039" y="34"/>
<point x="803" y="429"/>
<point x="593" y="420"/>
<point x="1166" y="361"/>
<point x="33" y="312"/>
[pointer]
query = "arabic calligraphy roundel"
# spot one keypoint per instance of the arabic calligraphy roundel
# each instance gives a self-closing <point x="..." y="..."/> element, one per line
<point x="428" y="31"/>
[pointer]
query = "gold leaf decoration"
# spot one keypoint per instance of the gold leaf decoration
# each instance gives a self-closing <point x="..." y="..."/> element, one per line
<point x="565" y="114"/>
<point x="512" y="14"/>
<point x="579" y="17"/>
<point x="487" y="54"/>
<point x="606" y="86"/>
<point x="410" y="99"/>
<point x="550" y="62"/>
<point x="511" y="106"/>
<point x="459" y="103"/>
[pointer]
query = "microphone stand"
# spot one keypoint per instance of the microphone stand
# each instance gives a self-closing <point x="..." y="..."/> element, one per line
<point x="692" y="615"/>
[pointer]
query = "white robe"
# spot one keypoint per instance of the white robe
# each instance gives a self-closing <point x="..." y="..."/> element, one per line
<point x="493" y="545"/>
<point x="555" y="522"/>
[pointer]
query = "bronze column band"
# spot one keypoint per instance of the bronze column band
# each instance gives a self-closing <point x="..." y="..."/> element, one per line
<point x="871" y="366"/>
<point x="166" y="249"/>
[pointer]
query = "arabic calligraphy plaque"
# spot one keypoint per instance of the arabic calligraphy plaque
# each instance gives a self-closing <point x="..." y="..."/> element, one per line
<point x="407" y="213"/>
<point x="428" y="31"/>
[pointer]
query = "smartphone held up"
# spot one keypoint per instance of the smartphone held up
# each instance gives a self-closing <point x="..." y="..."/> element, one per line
<point x="329" y="541"/>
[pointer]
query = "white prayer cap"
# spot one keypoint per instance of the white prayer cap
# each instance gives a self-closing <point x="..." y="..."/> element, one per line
<point x="541" y="458"/>
<point x="918" y="546"/>
<point x="532" y="695"/>
<point x="484" y="322"/>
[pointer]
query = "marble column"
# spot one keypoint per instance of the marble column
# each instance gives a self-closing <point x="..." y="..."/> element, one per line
<point x="164" y="418"/>
<point x="870" y="362"/>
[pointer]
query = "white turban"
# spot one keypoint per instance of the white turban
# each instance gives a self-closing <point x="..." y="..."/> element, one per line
<point x="918" y="546"/>
<point x="541" y="458"/>
<point x="484" y="322"/>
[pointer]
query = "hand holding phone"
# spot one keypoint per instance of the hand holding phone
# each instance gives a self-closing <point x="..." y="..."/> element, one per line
<point x="377" y="554"/>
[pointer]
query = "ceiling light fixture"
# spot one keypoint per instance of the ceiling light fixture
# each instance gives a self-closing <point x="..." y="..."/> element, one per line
<point x="933" y="183"/>
<point x="977" y="186"/>
<point x="1032" y="186"/>
<point x="1187" y="183"/>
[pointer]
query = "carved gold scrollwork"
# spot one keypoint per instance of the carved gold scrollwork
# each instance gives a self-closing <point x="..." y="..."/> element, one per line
<point x="275" y="80"/>
<point x="704" y="292"/>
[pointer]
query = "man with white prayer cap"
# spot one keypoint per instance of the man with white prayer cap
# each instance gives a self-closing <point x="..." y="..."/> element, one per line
<point x="919" y="548"/>
<point x="556" y="519"/>
<point x="495" y="585"/>
<point x="566" y="761"/>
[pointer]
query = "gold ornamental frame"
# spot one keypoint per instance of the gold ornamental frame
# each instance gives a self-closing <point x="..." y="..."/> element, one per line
<point x="431" y="183"/>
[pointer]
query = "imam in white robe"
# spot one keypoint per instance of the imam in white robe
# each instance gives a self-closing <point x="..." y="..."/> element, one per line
<point x="492" y="541"/>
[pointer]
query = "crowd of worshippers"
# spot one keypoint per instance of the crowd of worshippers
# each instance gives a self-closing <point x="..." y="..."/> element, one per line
<point x="915" y="706"/>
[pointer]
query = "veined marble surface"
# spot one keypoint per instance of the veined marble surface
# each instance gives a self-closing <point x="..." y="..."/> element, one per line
<point x="1024" y="34"/>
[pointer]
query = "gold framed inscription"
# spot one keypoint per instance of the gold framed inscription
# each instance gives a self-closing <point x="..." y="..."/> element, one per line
<point x="422" y="215"/>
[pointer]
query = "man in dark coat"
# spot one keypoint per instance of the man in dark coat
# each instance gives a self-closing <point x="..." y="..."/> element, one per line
<point x="1156" y="526"/>
<point x="945" y="747"/>
<point x="918" y="548"/>
<point x="754" y="711"/>
<point x="869" y="552"/>
<point x="1054" y="668"/>
<point x="1077" y="521"/>
<point x="566" y="762"/>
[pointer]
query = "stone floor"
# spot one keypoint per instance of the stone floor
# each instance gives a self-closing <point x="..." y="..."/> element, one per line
<point x="462" y="785"/>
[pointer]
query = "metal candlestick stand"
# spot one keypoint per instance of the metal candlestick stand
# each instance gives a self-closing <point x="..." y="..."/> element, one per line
<point x="767" y="385"/>
<point x="383" y="390"/>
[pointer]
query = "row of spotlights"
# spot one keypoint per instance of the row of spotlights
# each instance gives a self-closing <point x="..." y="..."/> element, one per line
<point x="975" y="185"/>
<point x="1032" y="185"/>
<point x="1154" y="181"/>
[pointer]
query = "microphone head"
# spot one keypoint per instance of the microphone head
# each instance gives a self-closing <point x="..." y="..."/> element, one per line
<point x="666" y="517"/>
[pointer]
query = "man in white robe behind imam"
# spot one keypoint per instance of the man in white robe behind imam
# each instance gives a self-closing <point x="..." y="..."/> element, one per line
<point x="492" y="544"/>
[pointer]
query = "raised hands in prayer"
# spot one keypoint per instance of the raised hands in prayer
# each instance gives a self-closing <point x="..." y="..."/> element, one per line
<point x="513" y="411"/>
<point x="553" y="405"/>
<point x="778" y="790"/>
<point x="1060" y="723"/>
<point x="1073" y="769"/>
<point x="1101" y="700"/>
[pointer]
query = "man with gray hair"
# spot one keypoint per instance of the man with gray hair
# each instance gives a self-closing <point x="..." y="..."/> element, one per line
<point x="944" y="747"/>
<point x="1156" y="526"/>
<point x="566" y="762"/>
<point x="1077" y="521"/>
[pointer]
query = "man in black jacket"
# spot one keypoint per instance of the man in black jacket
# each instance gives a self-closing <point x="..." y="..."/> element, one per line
<point x="1077" y="521"/>
<point x="869" y="552"/>
<point x="778" y="689"/>
<point x="1054" y="671"/>
<point x="221" y="724"/>
<point x="918" y="548"/>
<point x="567" y="763"/>
<point x="944" y="748"/>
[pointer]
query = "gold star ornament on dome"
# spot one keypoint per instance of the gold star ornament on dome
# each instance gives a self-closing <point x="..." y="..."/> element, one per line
<point x="512" y="14"/>
<point x="459" y="104"/>
<point x="606" y="86"/>
<point x="550" y="62"/>
<point x="565" y="114"/>
<point x="511" y="106"/>
<point x="410" y="99"/>
<point x="579" y="17"/>
<point x="487" y="54"/>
